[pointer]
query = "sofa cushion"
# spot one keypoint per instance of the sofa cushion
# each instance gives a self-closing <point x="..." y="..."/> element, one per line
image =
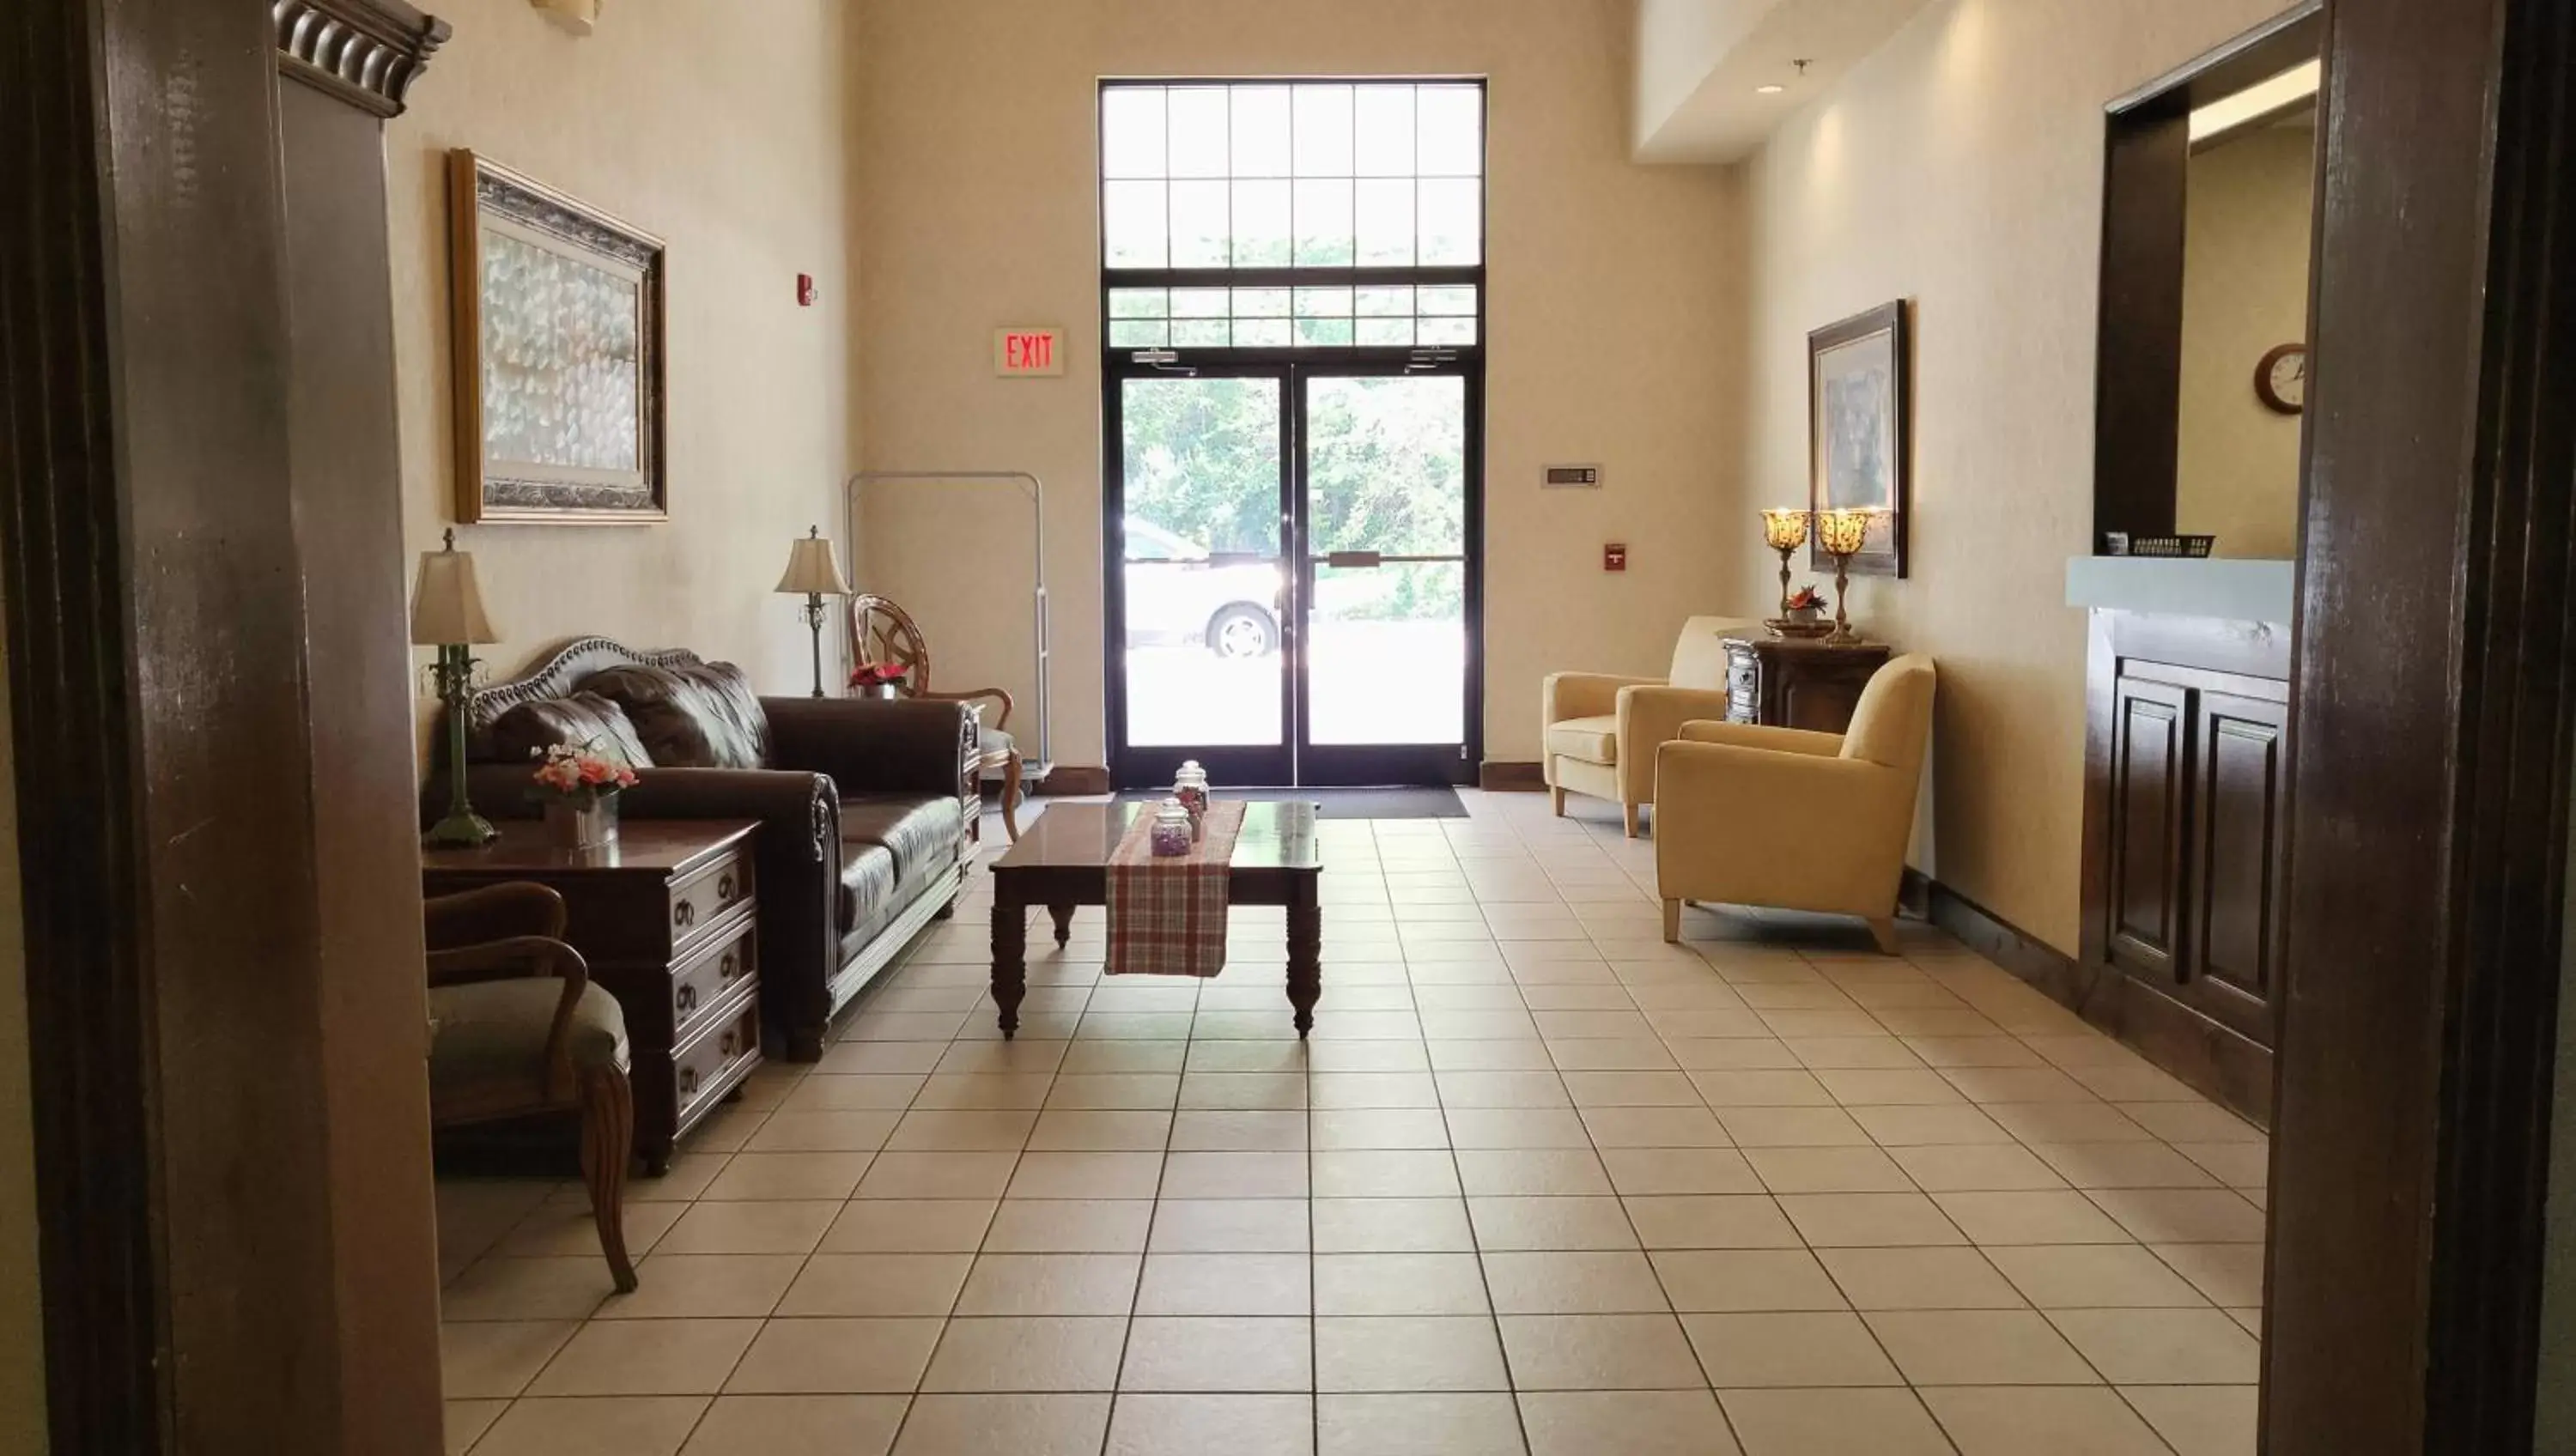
<point x="867" y="883"/>
<point x="1593" y="740"/>
<point x="920" y="832"/>
<point x="584" y="719"/>
<point x="703" y="715"/>
<point x="488" y="1039"/>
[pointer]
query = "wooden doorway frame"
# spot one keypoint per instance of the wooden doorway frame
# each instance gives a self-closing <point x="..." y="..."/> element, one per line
<point x="200" y="541"/>
<point x="2434" y="701"/>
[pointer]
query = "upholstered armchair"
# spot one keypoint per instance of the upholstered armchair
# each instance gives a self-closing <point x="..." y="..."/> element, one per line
<point x="1601" y="731"/>
<point x="516" y="1028"/>
<point x="1734" y="796"/>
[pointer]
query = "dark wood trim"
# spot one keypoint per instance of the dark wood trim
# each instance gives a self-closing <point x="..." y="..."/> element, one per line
<point x="2431" y="720"/>
<point x="73" y="739"/>
<point x="2219" y="1064"/>
<point x="1511" y="776"/>
<point x="193" y="546"/>
<point x="364" y="52"/>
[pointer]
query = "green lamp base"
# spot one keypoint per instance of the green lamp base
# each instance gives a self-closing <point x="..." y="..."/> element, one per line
<point x="467" y="830"/>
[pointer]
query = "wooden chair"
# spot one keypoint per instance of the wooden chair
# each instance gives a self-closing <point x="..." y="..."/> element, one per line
<point x="881" y="632"/>
<point x="506" y="1043"/>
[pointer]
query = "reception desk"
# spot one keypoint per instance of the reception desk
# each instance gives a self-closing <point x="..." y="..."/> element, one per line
<point x="2186" y="790"/>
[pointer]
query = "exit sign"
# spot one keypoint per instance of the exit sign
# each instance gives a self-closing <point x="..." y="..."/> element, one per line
<point x="1028" y="353"/>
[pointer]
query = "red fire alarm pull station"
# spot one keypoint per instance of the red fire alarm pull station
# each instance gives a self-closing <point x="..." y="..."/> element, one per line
<point x="805" y="290"/>
<point x="1614" y="557"/>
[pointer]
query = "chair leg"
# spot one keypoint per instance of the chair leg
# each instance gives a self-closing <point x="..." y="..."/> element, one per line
<point x="1628" y="818"/>
<point x="1556" y="800"/>
<point x="607" y="1142"/>
<point x="1672" y="922"/>
<point x="1883" y="930"/>
<point x="1011" y="796"/>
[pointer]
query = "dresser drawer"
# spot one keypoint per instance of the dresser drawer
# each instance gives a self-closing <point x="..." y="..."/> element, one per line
<point x="701" y="900"/>
<point x="721" y="1056"/>
<point x="700" y="985"/>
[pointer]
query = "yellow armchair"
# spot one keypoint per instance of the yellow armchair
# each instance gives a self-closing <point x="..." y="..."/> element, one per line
<point x="1730" y="793"/>
<point x="1600" y="731"/>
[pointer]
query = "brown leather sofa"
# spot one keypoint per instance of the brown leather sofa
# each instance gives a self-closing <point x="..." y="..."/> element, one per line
<point x="867" y="807"/>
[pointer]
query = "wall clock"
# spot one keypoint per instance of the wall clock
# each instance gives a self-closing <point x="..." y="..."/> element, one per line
<point x="2281" y="379"/>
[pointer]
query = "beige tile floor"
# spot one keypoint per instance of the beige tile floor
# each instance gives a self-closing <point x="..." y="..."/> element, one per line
<point x="1539" y="1184"/>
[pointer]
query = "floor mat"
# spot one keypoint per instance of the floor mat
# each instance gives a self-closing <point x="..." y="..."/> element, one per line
<point x="1402" y="803"/>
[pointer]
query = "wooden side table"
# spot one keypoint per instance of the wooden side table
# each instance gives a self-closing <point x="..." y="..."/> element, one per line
<point x="1797" y="682"/>
<point x="665" y="918"/>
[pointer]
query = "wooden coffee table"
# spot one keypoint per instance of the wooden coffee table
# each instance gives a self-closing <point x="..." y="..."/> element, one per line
<point x="1063" y="861"/>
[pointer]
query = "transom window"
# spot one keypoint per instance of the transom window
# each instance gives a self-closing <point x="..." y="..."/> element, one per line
<point x="1292" y="214"/>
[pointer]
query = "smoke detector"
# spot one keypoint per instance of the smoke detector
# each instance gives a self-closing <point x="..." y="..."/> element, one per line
<point x="580" y="17"/>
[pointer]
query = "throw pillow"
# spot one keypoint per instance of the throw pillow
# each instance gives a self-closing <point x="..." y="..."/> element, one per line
<point x="583" y="718"/>
<point x="700" y="716"/>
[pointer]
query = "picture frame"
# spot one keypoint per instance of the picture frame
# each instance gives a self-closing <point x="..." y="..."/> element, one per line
<point x="1860" y="448"/>
<point x="559" y="344"/>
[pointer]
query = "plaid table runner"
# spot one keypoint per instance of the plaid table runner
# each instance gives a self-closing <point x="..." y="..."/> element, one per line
<point x="1167" y="916"/>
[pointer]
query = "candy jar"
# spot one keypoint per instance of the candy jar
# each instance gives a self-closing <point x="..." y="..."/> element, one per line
<point x="1171" y="831"/>
<point x="1190" y="787"/>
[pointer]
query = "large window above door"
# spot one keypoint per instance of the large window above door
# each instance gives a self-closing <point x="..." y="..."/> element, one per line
<point x="1271" y="215"/>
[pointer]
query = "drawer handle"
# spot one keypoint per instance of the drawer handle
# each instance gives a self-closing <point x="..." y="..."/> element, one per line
<point x="688" y="1080"/>
<point x="725" y="1046"/>
<point x="729" y="967"/>
<point x="724" y="889"/>
<point x="684" y="914"/>
<point x="688" y="999"/>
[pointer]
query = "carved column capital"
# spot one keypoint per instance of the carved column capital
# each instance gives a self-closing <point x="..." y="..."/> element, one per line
<point x="366" y="52"/>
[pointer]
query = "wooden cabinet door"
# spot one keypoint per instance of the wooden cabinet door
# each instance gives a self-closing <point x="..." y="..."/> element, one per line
<point x="2150" y="771"/>
<point x="2237" y="785"/>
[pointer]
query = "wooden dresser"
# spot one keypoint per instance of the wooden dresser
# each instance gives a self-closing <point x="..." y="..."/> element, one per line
<point x="1797" y="682"/>
<point x="666" y="919"/>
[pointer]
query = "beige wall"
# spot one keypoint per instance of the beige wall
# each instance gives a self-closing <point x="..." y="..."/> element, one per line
<point x="1961" y="167"/>
<point x="2244" y="290"/>
<point x="1614" y="316"/>
<point x="22" y="1334"/>
<point x="724" y="130"/>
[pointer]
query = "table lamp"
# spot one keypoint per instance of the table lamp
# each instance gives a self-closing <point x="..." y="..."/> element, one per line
<point x="812" y="573"/>
<point x="1842" y="533"/>
<point x="447" y="613"/>
<point x="1784" y="529"/>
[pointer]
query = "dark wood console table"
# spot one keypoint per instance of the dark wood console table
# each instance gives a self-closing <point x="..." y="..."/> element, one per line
<point x="665" y="918"/>
<point x="1797" y="682"/>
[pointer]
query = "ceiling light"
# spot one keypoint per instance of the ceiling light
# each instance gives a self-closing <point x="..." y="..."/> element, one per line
<point x="1773" y="89"/>
<point x="2259" y="102"/>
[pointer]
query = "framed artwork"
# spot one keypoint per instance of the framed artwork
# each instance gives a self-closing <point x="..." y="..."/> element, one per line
<point x="1859" y="423"/>
<point x="559" y="355"/>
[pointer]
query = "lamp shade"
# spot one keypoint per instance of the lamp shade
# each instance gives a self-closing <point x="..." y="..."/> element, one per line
<point x="1784" y="528"/>
<point x="811" y="570"/>
<point x="446" y="605"/>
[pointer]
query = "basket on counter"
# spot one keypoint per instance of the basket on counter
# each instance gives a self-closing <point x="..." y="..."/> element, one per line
<point x="2123" y="543"/>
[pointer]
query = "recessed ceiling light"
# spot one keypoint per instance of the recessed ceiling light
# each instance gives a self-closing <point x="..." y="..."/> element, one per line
<point x="1771" y="90"/>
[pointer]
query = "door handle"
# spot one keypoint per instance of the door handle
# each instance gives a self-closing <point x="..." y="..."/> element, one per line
<point x="1342" y="560"/>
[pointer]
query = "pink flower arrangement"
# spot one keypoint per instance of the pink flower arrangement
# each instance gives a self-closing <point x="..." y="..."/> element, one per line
<point x="580" y="774"/>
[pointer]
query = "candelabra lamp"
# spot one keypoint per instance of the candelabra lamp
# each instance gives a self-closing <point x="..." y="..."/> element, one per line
<point x="813" y="574"/>
<point x="447" y="613"/>
<point x="1842" y="533"/>
<point x="1784" y="529"/>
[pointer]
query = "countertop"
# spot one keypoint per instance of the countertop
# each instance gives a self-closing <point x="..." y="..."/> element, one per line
<point x="2231" y="588"/>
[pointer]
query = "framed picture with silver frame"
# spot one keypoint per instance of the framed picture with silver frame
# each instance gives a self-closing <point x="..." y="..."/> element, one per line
<point x="1859" y="432"/>
<point x="559" y="344"/>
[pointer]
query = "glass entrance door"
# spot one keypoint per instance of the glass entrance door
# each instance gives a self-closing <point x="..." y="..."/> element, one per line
<point x="1386" y="655"/>
<point x="1296" y="590"/>
<point x="1199" y="607"/>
